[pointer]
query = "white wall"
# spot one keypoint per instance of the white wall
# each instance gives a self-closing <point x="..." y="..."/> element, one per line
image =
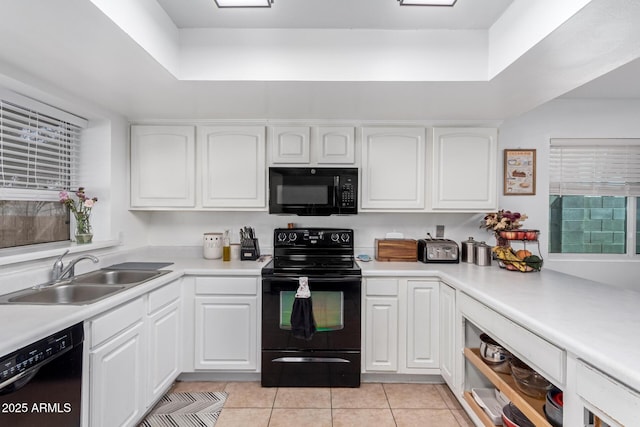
<point x="104" y="157"/>
<point x="571" y="118"/>
<point x="187" y="228"/>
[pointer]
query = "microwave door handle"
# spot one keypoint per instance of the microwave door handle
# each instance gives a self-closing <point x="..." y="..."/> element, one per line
<point x="336" y="188"/>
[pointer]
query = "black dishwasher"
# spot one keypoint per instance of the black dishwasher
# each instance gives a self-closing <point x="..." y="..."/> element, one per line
<point x="40" y="384"/>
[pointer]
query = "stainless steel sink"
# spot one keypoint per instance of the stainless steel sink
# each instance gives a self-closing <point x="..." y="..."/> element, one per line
<point x="84" y="289"/>
<point x="67" y="294"/>
<point x="116" y="277"/>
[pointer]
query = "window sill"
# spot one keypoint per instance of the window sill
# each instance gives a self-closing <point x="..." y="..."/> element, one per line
<point x="49" y="250"/>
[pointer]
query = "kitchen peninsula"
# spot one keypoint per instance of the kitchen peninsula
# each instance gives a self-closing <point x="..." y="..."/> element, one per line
<point x="570" y="316"/>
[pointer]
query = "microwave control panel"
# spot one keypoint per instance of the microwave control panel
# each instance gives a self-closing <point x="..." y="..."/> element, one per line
<point x="348" y="195"/>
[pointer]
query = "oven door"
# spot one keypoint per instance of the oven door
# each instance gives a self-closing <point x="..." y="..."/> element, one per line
<point x="336" y="310"/>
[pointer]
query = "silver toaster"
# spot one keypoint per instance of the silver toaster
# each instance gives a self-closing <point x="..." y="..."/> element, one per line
<point x="438" y="251"/>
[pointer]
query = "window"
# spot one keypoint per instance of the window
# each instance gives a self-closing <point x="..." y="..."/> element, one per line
<point x="39" y="156"/>
<point x="594" y="187"/>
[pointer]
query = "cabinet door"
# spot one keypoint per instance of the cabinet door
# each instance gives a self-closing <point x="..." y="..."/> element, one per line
<point x="117" y="380"/>
<point x="226" y="332"/>
<point x="290" y="144"/>
<point x="335" y="145"/>
<point x="162" y="166"/>
<point x="422" y="324"/>
<point x="164" y="350"/>
<point x="465" y="168"/>
<point x="233" y="166"/>
<point x="393" y="168"/>
<point x="607" y="397"/>
<point x="448" y="340"/>
<point x="381" y="334"/>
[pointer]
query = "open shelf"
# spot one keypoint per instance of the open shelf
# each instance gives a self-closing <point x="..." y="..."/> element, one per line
<point x="478" y="410"/>
<point x="532" y="408"/>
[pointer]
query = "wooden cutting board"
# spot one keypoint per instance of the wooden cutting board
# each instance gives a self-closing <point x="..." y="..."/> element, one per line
<point x="396" y="250"/>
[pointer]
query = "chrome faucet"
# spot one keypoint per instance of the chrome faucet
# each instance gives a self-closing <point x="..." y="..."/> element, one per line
<point x="59" y="271"/>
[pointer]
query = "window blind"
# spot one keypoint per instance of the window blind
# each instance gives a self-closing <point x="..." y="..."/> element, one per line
<point x="598" y="167"/>
<point x="37" y="151"/>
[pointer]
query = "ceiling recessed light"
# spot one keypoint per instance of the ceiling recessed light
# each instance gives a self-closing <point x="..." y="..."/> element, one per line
<point x="243" y="3"/>
<point x="427" y="2"/>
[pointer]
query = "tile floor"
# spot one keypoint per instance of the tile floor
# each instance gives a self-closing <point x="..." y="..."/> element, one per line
<point x="373" y="404"/>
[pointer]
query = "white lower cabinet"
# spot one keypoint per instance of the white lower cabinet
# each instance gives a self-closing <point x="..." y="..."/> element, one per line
<point x="226" y="323"/>
<point x="542" y="356"/>
<point x="116" y="366"/>
<point x="164" y="349"/>
<point x="381" y="325"/>
<point x="401" y="325"/>
<point x="117" y="376"/>
<point x="448" y="337"/>
<point x="134" y="357"/>
<point x="419" y="340"/>
<point x="605" y="397"/>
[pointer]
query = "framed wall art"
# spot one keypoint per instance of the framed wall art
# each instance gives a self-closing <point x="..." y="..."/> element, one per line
<point x="519" y="172"/>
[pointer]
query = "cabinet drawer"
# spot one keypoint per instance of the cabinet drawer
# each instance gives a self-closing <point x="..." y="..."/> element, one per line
<point x="115" y="321"/>
<point x="227" y="285"/>
<point x="383" y="287"/>
<point x="163" y="296"/>
<point x="543" y="356"/>
<point x="615" y="400"/>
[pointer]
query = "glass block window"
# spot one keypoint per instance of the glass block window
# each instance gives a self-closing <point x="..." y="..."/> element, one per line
<point x="588" y="224"/>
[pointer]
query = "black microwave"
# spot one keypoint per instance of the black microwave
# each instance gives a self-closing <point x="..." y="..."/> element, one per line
<point x="313" y="191"/>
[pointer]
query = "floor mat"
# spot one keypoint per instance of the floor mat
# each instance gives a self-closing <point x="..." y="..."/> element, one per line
<point x="186" y="410"/>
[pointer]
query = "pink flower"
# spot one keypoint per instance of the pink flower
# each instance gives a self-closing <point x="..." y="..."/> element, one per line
<point x="64" y="196"/>
<point x="88" y="203"/>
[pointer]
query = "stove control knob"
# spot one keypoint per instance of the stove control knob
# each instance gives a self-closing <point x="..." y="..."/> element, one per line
<point x="292" y="237"/>
<point x="335" y="237"/>
<point x="282" y="237"/>
<point x="344" y="237"/>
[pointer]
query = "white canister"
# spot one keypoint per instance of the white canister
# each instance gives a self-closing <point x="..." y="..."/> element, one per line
<point x="235" y="251"/>
<point x="212" y="246"/>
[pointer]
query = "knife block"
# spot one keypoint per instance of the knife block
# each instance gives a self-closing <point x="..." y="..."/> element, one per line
<point x="249" y="250"/>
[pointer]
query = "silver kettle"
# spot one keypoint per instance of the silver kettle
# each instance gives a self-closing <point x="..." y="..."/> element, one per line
<point x="482" y="253"/>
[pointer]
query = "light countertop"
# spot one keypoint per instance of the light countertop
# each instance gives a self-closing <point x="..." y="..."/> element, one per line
<point x="23" y="323"/>
<point x="597" y="323"/>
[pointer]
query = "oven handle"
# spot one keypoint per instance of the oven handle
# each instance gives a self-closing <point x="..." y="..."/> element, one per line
<point x="310" y="360"/>
<point x="314" y="279"/>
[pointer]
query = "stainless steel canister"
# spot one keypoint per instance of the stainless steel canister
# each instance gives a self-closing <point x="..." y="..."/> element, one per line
<point x="468" y="254"/>
<point x="482" y="254"/>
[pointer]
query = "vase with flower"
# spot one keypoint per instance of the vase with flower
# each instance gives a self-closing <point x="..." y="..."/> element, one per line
<point x="501" y="223"/>
<point x="81" y="209"/>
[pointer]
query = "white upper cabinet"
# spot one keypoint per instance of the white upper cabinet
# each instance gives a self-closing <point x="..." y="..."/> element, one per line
<point x="233" y="166"/>
<point x="312" y="146"/>
<point x="393" y="168"/>
<point x="163" y="166"/>
<point x="335" y="145"/>
<point x="465" y="169"/>
<point x="290" y="144"/>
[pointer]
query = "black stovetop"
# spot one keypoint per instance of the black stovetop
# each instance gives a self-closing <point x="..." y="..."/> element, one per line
<point x="312" y="251"/>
